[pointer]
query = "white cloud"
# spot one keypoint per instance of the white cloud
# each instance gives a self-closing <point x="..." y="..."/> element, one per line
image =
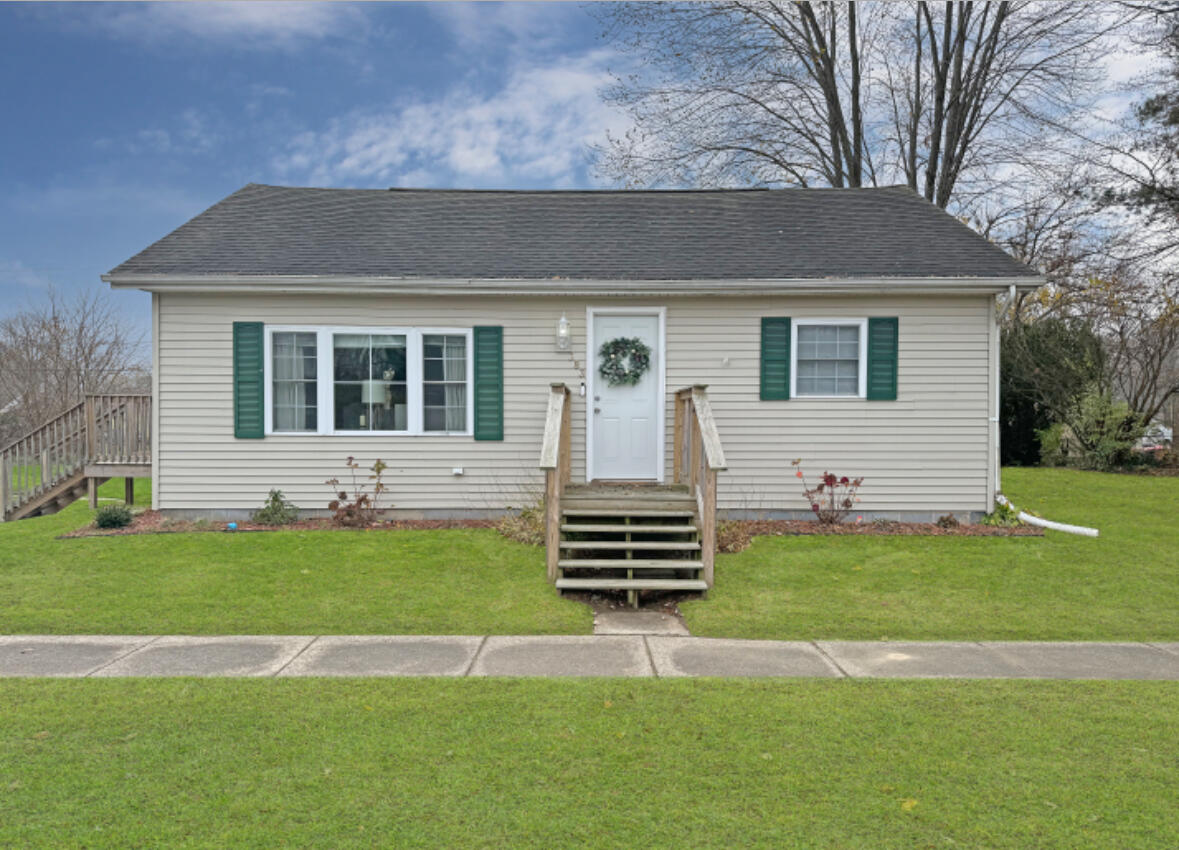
<point x="499" y="24"/>
<point x="535" y="129"/>
<point x="255" y="24"/>
<point x="190" y="132"/>
<point x="16" y="273"/>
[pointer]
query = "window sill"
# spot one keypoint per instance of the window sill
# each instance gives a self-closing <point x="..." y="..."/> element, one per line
<point x="830" y="398"/>
<point x="369" y="434"/>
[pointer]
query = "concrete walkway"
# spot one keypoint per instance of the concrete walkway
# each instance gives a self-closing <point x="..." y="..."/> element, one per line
<point x="588" y="655"/>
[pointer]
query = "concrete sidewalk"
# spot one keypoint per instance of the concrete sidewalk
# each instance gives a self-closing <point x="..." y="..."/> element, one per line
<point x="589" y="655"/>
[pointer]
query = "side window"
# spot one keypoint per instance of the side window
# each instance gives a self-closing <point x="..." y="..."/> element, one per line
<point x="294" y="385"/>
<point x="444" y="382"/>
<point x="827" y="360"/>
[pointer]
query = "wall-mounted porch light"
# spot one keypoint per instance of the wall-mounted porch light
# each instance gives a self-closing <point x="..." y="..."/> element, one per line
<point x="563" y="334"/>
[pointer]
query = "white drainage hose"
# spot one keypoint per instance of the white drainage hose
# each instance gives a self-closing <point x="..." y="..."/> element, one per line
<point x="1045" y="523"/>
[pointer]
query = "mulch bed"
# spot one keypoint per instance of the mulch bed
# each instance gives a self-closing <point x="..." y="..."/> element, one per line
<point x="739" y="531"/>
<point x="736" y="535"/>
<point x="781" y="527"/>
<point x="154" y="522"/>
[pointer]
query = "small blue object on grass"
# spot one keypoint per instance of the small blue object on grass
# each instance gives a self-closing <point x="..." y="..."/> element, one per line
<point x="232" y="526"/>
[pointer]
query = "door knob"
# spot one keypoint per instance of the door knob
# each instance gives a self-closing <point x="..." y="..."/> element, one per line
<point x="597" y="410"/>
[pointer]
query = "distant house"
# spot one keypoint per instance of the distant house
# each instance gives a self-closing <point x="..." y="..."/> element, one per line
<point x="854" y="329"/>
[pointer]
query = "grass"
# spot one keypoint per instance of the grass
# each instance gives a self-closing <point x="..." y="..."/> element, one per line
<point x="465" y="581"/>
<point x="597" y="763"/>
<point x="1123" y="585"/>
<point x="592" y="763"/>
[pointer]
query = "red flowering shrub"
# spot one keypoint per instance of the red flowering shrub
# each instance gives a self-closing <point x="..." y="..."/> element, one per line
<point x="359" y="510"/>
<point x="833" y="498"/>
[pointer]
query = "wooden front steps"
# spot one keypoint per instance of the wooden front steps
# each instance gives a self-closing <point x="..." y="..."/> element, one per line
<point x="633" y="536"/>
<point x="629" y="538"/>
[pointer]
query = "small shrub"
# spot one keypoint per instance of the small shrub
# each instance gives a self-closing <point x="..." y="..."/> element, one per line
<point x="1101" y="433"/>
<point x="1056" y="445"/>
<point x="948" y="521"/>
<point x="112" y="516"/>
<point x="733" y="536"/>
<point x="833" y="498"/>
<point x="525" y="527"/>
<point x="276" y="510"/>
<point x="1002" y="517"/>
<point x="1166" y="458"/>
<point x="362" y="508"/>
<point x="883" y="523"/>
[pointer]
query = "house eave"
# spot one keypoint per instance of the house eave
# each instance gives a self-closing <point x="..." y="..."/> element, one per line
<point x="350" y="285"/>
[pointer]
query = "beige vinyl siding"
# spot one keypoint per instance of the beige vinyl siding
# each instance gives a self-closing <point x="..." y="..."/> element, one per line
<point x="927" y="451"/>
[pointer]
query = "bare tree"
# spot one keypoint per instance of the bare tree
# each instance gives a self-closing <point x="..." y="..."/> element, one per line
<point x="54" y="354"/>
<point x="1137" y="317"/>
<point x="953" y="99"/>
<point x="1142" y="167"/>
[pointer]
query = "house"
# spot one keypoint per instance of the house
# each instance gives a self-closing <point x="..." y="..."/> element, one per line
<point x="852" y="328"/>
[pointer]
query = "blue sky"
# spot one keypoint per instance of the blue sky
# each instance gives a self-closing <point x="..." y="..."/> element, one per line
<point x="122" y="121"/>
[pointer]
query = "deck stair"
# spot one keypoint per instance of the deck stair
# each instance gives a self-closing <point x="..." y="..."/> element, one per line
<point x="629" y="538"/>
<point x="71" y="455"/>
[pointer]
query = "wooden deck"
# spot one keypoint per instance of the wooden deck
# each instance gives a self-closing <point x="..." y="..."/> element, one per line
<point x="101" y="437"/>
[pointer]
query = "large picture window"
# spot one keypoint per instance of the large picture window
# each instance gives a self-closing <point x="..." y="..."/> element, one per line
<point x="368" y="380"/>
<point x="828" y="358"/>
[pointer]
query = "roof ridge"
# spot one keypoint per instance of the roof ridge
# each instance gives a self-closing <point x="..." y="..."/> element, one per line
<point x="581" y="191"/>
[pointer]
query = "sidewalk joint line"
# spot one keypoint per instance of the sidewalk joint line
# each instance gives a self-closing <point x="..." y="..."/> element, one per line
<point x="475" y="656"/>
<point x="990" y="646"/>
<point x="831" y="660"/>
<point x="132" y="651"/>
<point x="650" y="657"/>
<point x="291" y="660"/>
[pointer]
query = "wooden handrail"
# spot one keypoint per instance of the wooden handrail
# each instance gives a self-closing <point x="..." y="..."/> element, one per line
<point x="556" y="459"/>
<point x="698" y="457"/>
<point x="109" y="428"/>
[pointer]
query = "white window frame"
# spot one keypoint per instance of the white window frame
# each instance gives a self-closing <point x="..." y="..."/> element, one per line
<point x="862" y="324"/>
<point x="325" y="396"/>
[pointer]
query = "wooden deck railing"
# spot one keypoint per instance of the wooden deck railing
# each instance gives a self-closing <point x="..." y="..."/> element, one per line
<point x="119" y="427"/>
<point x="103" y="429"/>
<point x="557" y="462"/>
<point x="698" y="457"/>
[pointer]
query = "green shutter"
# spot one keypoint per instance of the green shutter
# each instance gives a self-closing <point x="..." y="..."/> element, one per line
<point x="882" y="359"/>
<point x="489" y="383"/>
<point x="775" y="359"/>
<point x="249" y="415"/>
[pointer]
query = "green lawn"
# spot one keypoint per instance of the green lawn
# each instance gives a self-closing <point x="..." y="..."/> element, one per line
<point x="467" y="581"/>
<point x="594" y="763"/>
<point x="1123" y="585"/>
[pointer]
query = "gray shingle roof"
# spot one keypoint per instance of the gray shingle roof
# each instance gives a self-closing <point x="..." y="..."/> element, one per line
<point x="606" y="235"/>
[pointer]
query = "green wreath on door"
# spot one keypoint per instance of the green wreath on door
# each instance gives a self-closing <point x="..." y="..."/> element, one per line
<point x="624" y="361"/>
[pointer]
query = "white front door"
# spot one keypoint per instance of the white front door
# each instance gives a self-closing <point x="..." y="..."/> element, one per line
<point x="624" y="419"/>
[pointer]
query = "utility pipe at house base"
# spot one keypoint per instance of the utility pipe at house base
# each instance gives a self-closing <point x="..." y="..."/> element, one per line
<point x="1024" y="516"/>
